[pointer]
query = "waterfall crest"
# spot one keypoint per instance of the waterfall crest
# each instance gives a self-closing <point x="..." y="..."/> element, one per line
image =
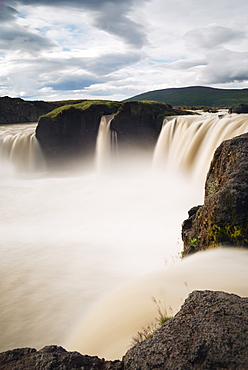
<point x="187" y="143"/>
<point x="20" y="149"/>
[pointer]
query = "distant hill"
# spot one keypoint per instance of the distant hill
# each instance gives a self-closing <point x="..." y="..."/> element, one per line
<point x="197" y="96"/>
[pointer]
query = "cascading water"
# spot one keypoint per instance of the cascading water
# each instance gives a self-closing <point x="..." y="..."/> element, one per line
<point x="104" y="143"/>
<point x="68" y="242"/>
<point x="19" y="148"/>
<point x="188" y="143"/>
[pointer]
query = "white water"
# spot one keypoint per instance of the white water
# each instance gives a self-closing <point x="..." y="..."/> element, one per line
<point x="67" y="242"/>
<point x="19" y="150"/>
<point x="188" y="143"/>
<point x="103" y="144"/>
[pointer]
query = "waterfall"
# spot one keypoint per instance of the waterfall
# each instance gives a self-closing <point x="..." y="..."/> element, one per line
<point x="106" y="140"/>
<point x="19" y="148"/>
<point x="82" y="254"/>
<point x="187" y="143"/>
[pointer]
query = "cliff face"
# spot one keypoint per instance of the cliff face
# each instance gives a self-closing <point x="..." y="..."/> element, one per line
<point x="139" y="123"/>
<point x="71" y="131"/>
<point x="17" y="111"/>
<point x="209" y="332"/>
<point x="223" y="219"/>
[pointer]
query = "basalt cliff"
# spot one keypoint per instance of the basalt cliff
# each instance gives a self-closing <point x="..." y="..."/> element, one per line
<point x="17" y="110"/>
<point x="70" y="132"/>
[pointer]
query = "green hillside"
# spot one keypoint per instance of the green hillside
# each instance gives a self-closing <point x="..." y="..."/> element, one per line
<point x="197" y="96"/>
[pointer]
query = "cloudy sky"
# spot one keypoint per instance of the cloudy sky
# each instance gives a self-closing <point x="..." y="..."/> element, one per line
<point x="114" y="49"/>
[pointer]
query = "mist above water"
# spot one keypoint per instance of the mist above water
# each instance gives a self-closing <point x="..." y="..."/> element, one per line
<point x="69" y="242"/>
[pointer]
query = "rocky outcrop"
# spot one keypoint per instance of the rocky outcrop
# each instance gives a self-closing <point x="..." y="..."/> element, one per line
<point x="241" y="108"/>
<point x="139" y="123"/>
<point x="71" y="131"/>
<point x="209" y="332"/>
<point x="53" y="357"/>
<point x="223" y="219"/>
<point x="16" y="110"/>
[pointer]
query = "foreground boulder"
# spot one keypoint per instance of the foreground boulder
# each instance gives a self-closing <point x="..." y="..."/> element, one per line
<point x="52" y="357"/>
<point x="209" y="332"/>
<point x="223" y="219"/>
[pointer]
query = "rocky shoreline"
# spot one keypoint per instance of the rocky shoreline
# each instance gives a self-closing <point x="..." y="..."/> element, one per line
<point x="209" y="332"/>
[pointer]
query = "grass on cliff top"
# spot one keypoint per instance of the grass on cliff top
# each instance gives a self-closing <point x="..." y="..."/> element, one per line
<point x="163" y="109"/>
<point x="83" y="105"/>
<point x="148" y="106"/>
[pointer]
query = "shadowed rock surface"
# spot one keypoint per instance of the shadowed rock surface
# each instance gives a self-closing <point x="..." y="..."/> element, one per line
<point x="17" y="110"/>
<point x="223" y="219"/>
<point x="209" y="332"/>
<point x="70" y="132"/>
<point x="139" y="123"/>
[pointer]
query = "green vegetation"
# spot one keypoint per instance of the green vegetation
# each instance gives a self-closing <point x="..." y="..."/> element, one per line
<point x="197" y="96"/>
<point x="231" y="233"/>
<point x="149" y="330"/>
<point x="83" y="105"/>
<point x="193" y="242"/>
<point x="146" y="107"/>
<point x="212" y="187"/>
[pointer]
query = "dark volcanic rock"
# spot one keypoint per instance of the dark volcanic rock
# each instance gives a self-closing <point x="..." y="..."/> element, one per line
<point x="52" y="357"/>
<point x="16" y="110"/>
<point x="223" y="219"/>
<point x="72" y="132"/>
<point x="209" y="332"/>
<point x="241" y="108"/>
<point x="139" y="123"/>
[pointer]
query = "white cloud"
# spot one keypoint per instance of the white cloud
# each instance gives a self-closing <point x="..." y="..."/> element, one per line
<point x="87" y="48"/>
<point x="213" y="36"/>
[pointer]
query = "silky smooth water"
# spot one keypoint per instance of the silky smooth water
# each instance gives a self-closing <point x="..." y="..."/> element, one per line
<point x="84" y="252"/>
